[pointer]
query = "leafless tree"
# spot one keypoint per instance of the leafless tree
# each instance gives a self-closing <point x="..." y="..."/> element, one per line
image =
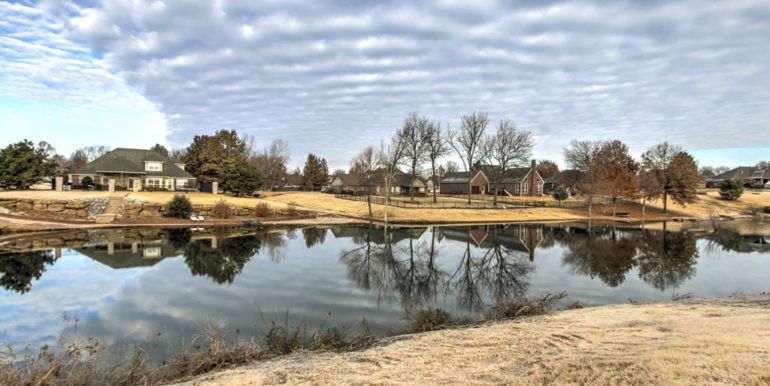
<point x="437" y="148"/>
<point x="363" y="167"/>
<point x="507" y="148"/>
<point x="467" y="141"/>
<point x="581" y="155"/>
<point x="451" y="167"/>
<point x="414" y="134"/>
<point x="657" y="160"/>
<point x="94" y="152"/>
<point x="271" y="163"/>
<point x="389" y="157"/>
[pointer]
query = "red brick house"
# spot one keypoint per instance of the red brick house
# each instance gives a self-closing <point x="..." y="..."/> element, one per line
<point x="464" y="182"/>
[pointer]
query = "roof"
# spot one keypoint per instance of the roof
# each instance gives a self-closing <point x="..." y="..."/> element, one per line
<point x="293" y="180"/>
<point x="569" y="176"/>
<point x="457" y="178"/>
<point x="403" y="179"/>
<point x="742" y="173"/>
<point x="132" y="161"/>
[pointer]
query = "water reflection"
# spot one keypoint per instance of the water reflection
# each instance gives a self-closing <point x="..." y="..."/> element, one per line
<point x="20" y="268"/>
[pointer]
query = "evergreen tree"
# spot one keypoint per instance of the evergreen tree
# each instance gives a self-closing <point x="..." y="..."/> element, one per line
<point x="731" y="189"/>
<point x="316" y="173"/>
<point x="22" y="163"/>
<point x="240" y="177"/>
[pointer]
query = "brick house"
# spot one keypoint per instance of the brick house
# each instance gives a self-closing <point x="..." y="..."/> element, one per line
<point x="135" y="169"/>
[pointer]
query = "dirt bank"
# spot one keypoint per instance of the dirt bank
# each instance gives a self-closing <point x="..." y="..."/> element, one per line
<point x="717" y="341"/>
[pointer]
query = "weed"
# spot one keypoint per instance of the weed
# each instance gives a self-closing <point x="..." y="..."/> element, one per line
<point x="519" y="307"/>
<point x="222" y="210"/>
<point x="262" y="210"/>
<point x="429" y="320"/>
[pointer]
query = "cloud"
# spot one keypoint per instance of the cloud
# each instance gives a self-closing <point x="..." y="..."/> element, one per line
<point x="332" y="78"/>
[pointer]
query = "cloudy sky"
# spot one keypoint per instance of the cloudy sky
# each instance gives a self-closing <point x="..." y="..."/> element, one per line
<point x="333" y="77"/>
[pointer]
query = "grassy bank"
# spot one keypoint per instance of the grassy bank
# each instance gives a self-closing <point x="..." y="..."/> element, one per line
<point x="716" y="341"/>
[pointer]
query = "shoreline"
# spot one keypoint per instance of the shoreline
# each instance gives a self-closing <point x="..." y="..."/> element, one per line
<point x="698" y="340"/>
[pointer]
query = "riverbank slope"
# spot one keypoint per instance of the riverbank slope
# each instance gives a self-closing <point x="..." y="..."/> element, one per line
<point x="694" y="341"/>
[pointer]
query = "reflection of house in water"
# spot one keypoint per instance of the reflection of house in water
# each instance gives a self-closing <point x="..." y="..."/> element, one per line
<point x="376" y="234"/>
<point x="522" y="238"/>
<point x="758" y="243"/>
<point x="130" y="255"/>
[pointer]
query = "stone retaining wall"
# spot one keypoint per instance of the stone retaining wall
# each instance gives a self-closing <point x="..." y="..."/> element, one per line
<point x="138" y="209"/>
<point x="78" y="209"/>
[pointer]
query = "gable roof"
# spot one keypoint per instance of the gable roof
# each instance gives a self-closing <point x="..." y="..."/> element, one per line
<point x="742" y="173"/>
<point x="460" y="177"/>
<point x="132" y="161"/>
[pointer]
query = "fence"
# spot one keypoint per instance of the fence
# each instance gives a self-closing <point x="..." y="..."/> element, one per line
<point x="479" y="201"/>
<point x="418" y="204"/>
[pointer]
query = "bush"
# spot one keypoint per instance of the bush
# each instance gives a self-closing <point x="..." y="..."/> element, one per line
<point x="519" y="307"/>
<point x="731" y="189"/>
<point x="179" y="207"/>
<point x="222" y="210"/>
<point x="560" y="194"/>
<point x="291" y="209"/>
<point x="262" y="210"/>
<point x="430" y="320"/>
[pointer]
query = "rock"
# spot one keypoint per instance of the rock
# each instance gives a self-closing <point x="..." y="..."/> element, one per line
<point x="24" y="205"/>
<point x="82" y="213"/>
<point x="77" y="205"/>
<point x="55" y="208"/>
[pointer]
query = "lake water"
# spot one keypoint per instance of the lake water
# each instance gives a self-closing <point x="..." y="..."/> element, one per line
<point x="156" y="288"/>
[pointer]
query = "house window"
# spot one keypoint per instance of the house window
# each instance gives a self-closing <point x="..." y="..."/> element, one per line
<point x="524" y="187"/>
<point x="153" y="166"/>
<point x="539" y="187"/>
<point x="154" y="182"/>
<point x="151" y="252"/>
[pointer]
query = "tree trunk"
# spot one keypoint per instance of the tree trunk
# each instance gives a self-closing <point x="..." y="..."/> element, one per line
<point x="590" y="204"/>
<point x="644" y="205"/>
<point x="665" y="201"/>
<point x="494" y="200"/>
<point x="369" y="201"/>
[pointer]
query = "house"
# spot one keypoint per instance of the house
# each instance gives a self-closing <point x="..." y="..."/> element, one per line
<point x="464" y="182"/>
<point x="135" y="169"/>
<point x="750" y="175"/>
<point x="402" y="184"/>
<point x="516" y="181"/>
<point x="432" y="184"/>
<point x="292" y="182"/>
<point x="569" y="179"/>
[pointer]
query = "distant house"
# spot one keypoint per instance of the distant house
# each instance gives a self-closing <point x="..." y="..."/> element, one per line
<point x="432" y="184"/>
<point x="569" y="179"/>
<point x="464" y="182"/>
<point x="516" y="181"/>
<point x="751" y="177"/>
<point x="402" y="184"/>
<point x="135" y="169"/>
<point x="292" y="182"/>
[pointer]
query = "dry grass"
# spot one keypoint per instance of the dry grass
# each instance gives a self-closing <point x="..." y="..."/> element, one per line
<point x="710" y="202"/>
<point x="721" y="341"/>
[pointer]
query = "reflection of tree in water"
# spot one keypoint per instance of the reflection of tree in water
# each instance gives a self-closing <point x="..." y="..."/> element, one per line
<point x="728" y="240"/>
<point x="409" y="270"/>
<point x="314" y="236"/>
<point x="223" y="263"/>
<point x="179" y="237"/>
<point x="606" y="255"/>
<point x="667" y="259"/>
<point x="19" y="269"/>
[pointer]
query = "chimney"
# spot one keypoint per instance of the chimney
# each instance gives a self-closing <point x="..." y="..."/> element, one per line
<point x="534" y="163"/>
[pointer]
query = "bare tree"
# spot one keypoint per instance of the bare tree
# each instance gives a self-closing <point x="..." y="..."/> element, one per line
<point x="581" y="155"/>
<point x="94" y="152"/>
<point x="451" y="167"/>
<point x="388" y="158"/>
<point x="363" y="167"/>
<point x="437" y="148"/>
<point x="467" y="140"/>
<point x="271" y="163"/>
<point x="414" y="135"/>
<point x="505" y="149"/>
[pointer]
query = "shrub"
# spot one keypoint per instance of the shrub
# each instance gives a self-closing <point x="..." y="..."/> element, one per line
<point x="179" y="207"/>
<point x="429" y="320"/>
<point x="560" y="194"/>
<point x="519" y="307"/>
<point x="262" y="210"/>
<point x="282" y="339"/>
<point x="731" y="189"/>
<point x="222" y="210"/>
<point x="577" y="304"/>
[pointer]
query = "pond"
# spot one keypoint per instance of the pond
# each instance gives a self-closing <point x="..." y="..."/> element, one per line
<point x="156" y="288"/>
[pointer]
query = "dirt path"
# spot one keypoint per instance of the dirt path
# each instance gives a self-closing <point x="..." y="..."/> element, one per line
<point x="698" y="342"/>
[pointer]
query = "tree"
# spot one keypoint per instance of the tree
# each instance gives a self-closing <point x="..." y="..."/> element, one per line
<point x="22" y="163"/>
<point x="451" y="167"/>
<point x="547" y="169"/>
<point x="468" y="140"/>
<point x="616" y="170"/>
<point x="160" y="149"/>
<point x="581" y="155"/>
<point x="316" y="172"/>
<point x="560" y="194"/>
<point x="240" y="177"/>
<point x="388" y="158"/>
<point x="179" y="207"/>
<point x="731" y="189"/>
<point x="271" y="163"/>
<point x="763" y="165"/>
<point x="363" y="167"/>
<point x="650" y="188"/>
<point x="676" y="172"/>
<point x="414" y="135"/>
<point x="77" y="160"/>
<point x="19" y="269"/>
<point x="437" y="148"/>
<point x="94" y="152"/>
<point x="505" y="149"/>
<point x="207" y="155"/>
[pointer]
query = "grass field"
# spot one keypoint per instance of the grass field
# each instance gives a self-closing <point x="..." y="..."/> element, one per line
<point x="693" y="342"/>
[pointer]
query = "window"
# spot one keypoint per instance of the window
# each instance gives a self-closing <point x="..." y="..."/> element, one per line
<point x="151" y="252"/>
<point x="539" y="188"/>
<point x="154" y="182"/>
<point x="524" y="187"/>
<point x="153" y="166"/>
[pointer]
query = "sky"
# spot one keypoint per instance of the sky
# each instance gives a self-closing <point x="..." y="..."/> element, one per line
<point x="332" y="77"/>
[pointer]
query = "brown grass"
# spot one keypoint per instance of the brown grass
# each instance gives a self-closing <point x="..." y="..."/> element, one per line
<point x="720" y="341"/>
